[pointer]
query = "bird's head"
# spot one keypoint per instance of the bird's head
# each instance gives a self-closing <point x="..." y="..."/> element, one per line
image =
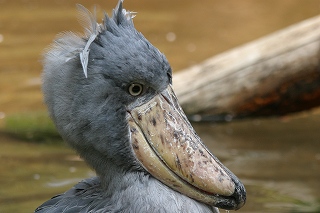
<point x="109" y="94"/>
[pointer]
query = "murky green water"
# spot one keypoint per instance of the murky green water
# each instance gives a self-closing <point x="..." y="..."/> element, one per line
<point x="277" y="159"/>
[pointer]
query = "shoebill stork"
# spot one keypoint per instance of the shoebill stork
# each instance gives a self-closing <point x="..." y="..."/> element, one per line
<point x="110" y="96"/>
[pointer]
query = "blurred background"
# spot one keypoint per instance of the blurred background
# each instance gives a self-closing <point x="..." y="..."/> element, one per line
<point x="278" y="159"/>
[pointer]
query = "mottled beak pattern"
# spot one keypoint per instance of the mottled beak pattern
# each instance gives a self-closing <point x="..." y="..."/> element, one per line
<point x="168" y="147"/>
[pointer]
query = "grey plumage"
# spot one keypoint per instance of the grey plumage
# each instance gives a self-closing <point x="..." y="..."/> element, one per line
<point x="85" y="85"/>
<point x="88" y="196"/>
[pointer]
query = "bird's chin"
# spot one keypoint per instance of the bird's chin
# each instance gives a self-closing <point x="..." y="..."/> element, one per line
<point x="166" y="145"/>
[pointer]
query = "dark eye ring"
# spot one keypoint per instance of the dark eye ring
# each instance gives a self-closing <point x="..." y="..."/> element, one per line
<point x="135" y="89"/>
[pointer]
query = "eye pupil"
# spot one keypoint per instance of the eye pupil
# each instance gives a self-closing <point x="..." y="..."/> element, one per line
<point x="135" y="89"/>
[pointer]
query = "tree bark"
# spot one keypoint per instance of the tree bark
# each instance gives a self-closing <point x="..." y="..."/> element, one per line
<point x="275" y="75"/>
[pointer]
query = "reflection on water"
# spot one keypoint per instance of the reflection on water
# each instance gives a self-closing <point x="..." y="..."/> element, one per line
<point x="278" y="160"/>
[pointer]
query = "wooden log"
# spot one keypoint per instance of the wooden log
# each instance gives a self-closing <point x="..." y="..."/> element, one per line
<point x="275" y="75"/>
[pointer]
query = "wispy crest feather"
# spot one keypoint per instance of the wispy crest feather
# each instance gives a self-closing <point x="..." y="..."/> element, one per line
<point x="69" y="45"/>
<point x="91" y="27"/>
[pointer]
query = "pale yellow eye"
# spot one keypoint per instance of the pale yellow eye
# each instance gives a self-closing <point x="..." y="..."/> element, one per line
<point x="135" y="89"/>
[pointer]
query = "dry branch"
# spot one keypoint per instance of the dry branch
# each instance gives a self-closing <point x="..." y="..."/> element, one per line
<point x="275" y="75"/>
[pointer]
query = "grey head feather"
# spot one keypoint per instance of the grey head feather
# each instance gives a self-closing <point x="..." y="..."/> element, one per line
<point x="119" y="13"/>
<point x="65" y="47"/>
<point x="88" y="20"/>
<point x="92" y="28"/>
<point x="84" y="55"/>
